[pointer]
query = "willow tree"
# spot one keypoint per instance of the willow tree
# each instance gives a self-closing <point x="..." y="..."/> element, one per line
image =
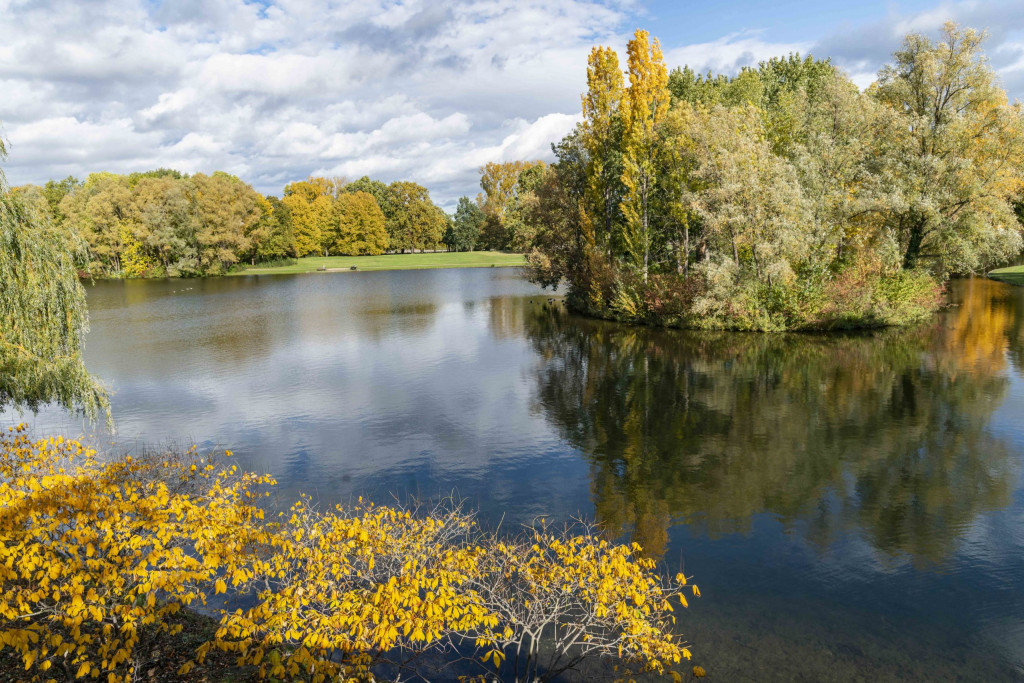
<point x="601" y="132"/>
<point x="42" y="306"/>
<point x="955" y="160"/>
<point x="644" y="105"/>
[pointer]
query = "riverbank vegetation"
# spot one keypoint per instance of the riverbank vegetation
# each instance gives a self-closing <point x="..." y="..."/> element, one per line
<point x="782" y="197"/>
<point x="1014" y="275"/>
<point x="165" y="223"/>
<point x="42" y="305"/>
<point x="101" y="556"/>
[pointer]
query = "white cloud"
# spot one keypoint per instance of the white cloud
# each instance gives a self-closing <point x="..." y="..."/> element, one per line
<point x="416" y="90"/>
<point x="729" y="53"/>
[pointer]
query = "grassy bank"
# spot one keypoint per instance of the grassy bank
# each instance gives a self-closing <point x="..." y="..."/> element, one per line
<point x="462" y="259"/>
<point x="1013" y="275"/>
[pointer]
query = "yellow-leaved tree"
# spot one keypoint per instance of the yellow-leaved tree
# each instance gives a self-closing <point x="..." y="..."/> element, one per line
<point x="644" y="106"/>
<point x="360" y="226"/>
<point x="97" y="557"/>
<point x="601" y="135"/>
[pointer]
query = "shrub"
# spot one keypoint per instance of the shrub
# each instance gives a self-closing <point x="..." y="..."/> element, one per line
<point x="98" y="559"/>
<point x="95" y="556"/>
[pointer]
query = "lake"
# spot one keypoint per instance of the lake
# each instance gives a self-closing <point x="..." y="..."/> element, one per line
<point x="851" y="506"/>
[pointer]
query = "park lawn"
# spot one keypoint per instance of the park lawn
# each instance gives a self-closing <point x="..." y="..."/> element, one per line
<point x="461" y="259"/>
<point x="1013" y="275"/>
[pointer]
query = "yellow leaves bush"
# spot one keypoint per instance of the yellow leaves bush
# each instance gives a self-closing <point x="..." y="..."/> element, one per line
<point x="95" y="556"/>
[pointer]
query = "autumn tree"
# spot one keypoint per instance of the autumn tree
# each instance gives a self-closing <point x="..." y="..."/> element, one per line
<point x="955" y="159"/>
<point x="361" y="230"/>
<point x="601" y="133"/>
<point x="310" y="204"/>
<point x="103" y="212"/>
<point x="271" y="237"/>
<point x="416" y="222"/>
<point x="100" y="555"/>
<point x="644" y="106"/>
<point x="227" y="210"/>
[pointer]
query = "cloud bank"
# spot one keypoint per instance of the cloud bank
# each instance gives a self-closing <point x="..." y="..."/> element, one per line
<point x="416" y="90"/>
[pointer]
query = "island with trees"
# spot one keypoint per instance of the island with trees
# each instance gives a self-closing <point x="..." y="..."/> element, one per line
<point x="783" y="198"/>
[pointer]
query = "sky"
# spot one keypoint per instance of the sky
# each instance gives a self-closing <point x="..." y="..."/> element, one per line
<point x="275" y="91"/>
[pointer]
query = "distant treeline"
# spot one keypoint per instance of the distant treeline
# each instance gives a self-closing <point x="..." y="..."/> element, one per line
<point x="164" y="222"/>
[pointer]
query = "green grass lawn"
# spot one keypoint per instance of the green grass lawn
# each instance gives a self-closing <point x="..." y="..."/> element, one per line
<point x="462" y="259"/>
<point x="1013" y="275"/>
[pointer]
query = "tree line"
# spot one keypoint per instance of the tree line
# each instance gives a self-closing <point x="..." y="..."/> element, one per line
<point x="783" y="197"/>
<point x="164" y="222"/>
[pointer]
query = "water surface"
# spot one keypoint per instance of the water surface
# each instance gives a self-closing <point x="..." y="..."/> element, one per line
<point x="852" y="506"/>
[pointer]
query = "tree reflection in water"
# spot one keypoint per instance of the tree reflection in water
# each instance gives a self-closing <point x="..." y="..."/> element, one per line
<point x="883" y="434"/>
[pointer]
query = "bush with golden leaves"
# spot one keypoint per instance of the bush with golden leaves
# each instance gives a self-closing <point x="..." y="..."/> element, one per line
<point x="97" y="556"/>
<point x="93" y="554"/>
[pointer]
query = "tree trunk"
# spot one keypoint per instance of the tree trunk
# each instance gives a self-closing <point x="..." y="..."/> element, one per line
<point x="914" y="245"/>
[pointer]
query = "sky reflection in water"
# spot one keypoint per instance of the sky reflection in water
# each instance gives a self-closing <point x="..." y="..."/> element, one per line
<point x="851" y="506"/>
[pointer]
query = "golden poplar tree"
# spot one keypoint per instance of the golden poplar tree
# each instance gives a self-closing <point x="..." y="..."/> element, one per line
<point x="644" y="105"/>
<point x="600" y="107"/>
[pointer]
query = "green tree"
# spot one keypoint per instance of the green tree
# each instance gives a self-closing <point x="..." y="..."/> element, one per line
<point x="55" y="191"/>
<point x="465" y="228"/>
<point x="168" y="223"/>
<point x="271" y="237"/>
<point x="416" y="222"/>
<point x="954" y="159"/>
<point x="43" y="308"/>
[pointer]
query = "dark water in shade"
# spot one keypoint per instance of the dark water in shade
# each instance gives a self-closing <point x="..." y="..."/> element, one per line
<point x="851" y="506"/>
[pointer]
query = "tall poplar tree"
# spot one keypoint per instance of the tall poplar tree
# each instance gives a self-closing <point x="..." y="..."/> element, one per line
<point x="601" y="133"/>
<point x="644" y="105"/>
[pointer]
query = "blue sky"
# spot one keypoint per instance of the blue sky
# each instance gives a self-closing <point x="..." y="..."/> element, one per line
<point x="415" y="89"/>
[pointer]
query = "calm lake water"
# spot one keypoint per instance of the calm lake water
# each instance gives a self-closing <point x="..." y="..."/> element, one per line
<point x="851" y="506"/>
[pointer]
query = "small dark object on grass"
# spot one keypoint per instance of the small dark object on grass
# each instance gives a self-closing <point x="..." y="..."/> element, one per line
<point x="321" y="268"/>
<point x="354" y="268"/>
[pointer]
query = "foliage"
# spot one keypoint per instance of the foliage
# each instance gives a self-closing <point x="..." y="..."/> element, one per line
<point x="361" y="230"/>
<point x="506" y="188"/>
<point x="464" y="231"/>
<point x="644" y="106"/>
<point x="101" y="556"/>
<point x="416" y="222"/>
<point x="164" y="222"/>
<point x="98" y="556"/>
<point x="42" y="306"/>
<point x="358" y="583"/>
<point x="563" y="596"/>
<point x="310" y="205"/>
<point x="781" y="197"/>
<point x="601" y="134"/>
<point x="957" y="159"/>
